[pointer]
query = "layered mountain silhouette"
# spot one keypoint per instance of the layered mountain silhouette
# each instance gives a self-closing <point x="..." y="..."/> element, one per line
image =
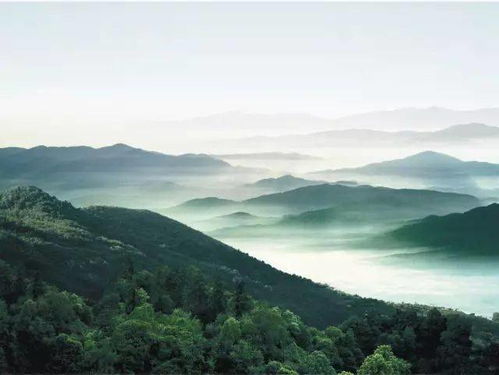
<point x="84" y="249"/>
<point x="359" y="136"/>
<point x="42" y="160"/>
<point x="430" y="118"/>
<point x="283" y="183"/>
<point x="118" y="174"/>
<point x="427" y="163"/>
<point x="235" y="123"/>
<point x="266" y="156"/>
<point x="234" y="219"/>
<point x="347" y="199"/>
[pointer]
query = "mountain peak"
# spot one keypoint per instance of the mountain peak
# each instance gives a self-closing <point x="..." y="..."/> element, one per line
<point x="472" y="129"/>
<point x="431" y="157"/>
<point x="119" y="146"/>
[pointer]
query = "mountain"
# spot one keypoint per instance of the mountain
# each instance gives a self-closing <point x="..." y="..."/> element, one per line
<point x="430" y="118"/>
<point x="462" y="132"/>
<point x="232" y="220"/>
<point x="326" y="195"/>
<point x="117" y="174"/>
<point x="42" y="161"/>
<point x="83" y="249"/>
<point x="369" y="137"/>
<point x="472" y="233"/>
<point x="427" y="163"/>
<point x="316" y="197"/>
<point x="266" y="156"/>
<point x="283" y="183"/>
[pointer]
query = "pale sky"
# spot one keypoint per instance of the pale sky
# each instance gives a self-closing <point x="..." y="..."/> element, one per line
<point x="99" y="66"/>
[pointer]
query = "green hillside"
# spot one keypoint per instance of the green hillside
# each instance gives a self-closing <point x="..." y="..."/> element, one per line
<point x="153" y="295"/>
<point x="82" y="250"/>
<point x="473" y="232"/>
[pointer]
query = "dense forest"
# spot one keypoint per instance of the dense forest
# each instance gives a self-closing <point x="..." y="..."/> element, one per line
<point x="82" y="250"/>
<point x="179" y="321"/>
<point x="109" y="290"/>
<point x="471" y="233"/>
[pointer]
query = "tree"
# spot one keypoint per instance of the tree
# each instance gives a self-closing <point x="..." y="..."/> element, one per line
<point x="383" y="362"/>
<point x="454" y="352"/>
<point x="317" y="363"/>
<point x="349" y="352"/>
<point x="242" y="302"/>
<point x="428" y="335"/>
<point x="365" y="330"/>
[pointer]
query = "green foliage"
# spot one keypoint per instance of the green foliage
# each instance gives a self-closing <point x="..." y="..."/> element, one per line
<point x="193" y="319"/>
<point x="198" y="330"/>
<point x="383" y="362"/>
<point x="471" y="233"/>
<point x="85" y="250"/>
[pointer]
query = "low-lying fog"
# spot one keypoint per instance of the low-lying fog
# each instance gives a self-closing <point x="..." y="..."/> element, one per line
<point x="330" y="259"/>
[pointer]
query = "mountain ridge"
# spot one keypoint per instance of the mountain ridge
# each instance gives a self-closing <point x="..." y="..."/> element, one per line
<point x="82" y="252"/>
<point x="473" y="232"/>
<point x="323" y="196"/>
<point x="427" y="162"/>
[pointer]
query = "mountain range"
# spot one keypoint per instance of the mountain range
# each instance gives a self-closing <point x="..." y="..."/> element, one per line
<point x="347" y="198"/>
<point x="430" y="118"/>
<point x="118" y="174"/>
<point x="231" y="123"/>
<point x="358" y="136"/>
<point x="42" y="160"/>
<point x="424" y="164"/>
<point x="280" y="184"/>
<point x="266" y="156"/>
<point x="84" y="249"/>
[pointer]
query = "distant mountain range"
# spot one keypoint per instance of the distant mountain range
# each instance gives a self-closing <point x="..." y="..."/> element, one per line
<point x="42" y="160"/>
<point x="280" y="184"/>
<point x="473" y="233"/>
<point x="359" y="136"/>
<point x="233" y="123"/>
<point x="344" y="198"/>
<point x="423" y="164"/>
<point x="266" y="156"/>
<point x="83" y="251"/>
<point x="431" y="118"/>
<point x="118" y="174"/>
<point x="234" y="219"/>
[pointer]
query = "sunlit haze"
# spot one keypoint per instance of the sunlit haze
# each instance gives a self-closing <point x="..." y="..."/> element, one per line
<point x="98" y="74"/>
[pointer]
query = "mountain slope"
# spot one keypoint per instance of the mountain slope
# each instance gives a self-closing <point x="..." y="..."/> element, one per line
<point x="232" y="220"/>
<point x="358" y="135"/>
<point x="119" y="174"/>
<point x="327" y="204"/>
<point x="317" y="197"/>
<point x="117" y="158"/>
<point x="82" y="250"/>
<point x="473" y="232"/>
<point x="426" y="163"/>
<point x="419" y="118"/>
<point x="326" y="195"/>
<point x="283" y="183"/>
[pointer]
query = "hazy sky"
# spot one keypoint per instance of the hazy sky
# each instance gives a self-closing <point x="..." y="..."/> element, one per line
<point x="92" y="65"/>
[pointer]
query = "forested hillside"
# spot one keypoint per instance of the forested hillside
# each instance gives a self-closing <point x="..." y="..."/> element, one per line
<point x="111" y="290"/>
<point x="181" y="322"/>
<point x="83" y="250"/>
<point x="473" y="232"/>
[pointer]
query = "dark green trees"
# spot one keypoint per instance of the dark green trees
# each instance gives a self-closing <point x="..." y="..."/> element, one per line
<point x="179" y="321"/>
